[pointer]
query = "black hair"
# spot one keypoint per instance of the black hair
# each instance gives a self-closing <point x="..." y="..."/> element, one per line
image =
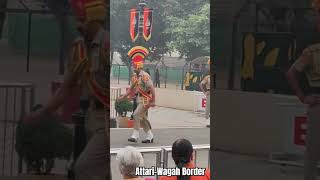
<point x="181" y="154"/>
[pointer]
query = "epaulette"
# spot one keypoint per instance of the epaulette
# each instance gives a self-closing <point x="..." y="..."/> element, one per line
<point x="78" y="40"/>
<point x="314" y="48"/>
<point x="145" y="77"/>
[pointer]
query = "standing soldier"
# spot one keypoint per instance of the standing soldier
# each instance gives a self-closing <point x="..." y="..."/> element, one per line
<point x="88" y="68"/>
<point x="141" y="84"/>
<point x="157" y="78"/>
<point x="309" y="63"/>
<point x="205" y="88"/>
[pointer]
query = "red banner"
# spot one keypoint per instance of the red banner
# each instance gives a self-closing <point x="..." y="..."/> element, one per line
<point x="204" y="102"/>
<point x="134" y="24"/>
<point x="147" y="23"/>
<point x="300" y="130"/>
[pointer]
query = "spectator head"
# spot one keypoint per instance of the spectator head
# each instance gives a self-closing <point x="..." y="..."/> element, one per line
<point x="182" y="152"/>
<point x="129" y="159"/>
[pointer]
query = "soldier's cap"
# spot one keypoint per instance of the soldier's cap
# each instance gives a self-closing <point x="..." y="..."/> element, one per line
<point x="138" y="54"/>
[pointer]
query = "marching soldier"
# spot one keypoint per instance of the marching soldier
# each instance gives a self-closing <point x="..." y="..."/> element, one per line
<point x="88" y="68"/>
<point x="143" y="86"/>
<point x="205" y="88"/>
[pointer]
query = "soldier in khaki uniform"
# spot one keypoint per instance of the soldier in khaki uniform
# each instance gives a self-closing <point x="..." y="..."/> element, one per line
<point x="88" y="68"/>
<point x="143" y="86"/>
<point x="309" y="63"/>
<point x="205" y="88"/>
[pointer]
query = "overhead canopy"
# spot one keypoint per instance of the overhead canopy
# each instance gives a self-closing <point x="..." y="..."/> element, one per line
<point x="200" y="60"/>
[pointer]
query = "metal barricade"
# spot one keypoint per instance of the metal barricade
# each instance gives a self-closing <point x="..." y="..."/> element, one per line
<point x="114" y="95"/>
<point x="16" y="99"/>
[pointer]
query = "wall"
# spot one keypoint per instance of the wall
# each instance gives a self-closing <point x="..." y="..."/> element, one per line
<point x="250" y="123"/>
<point x="177" y="99"/>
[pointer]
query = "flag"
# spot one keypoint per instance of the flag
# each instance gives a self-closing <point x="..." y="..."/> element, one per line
<point x="147" y="23"/>
<point x="134" y="24"/>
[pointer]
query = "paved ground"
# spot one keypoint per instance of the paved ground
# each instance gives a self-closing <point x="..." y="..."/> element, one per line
<point x="163" y="137"/>
<point x="161" y="117"/>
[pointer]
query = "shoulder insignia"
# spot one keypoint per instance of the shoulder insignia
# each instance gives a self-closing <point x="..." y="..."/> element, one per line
<point x="313" y="48"/>
<point x="145" y="78"/>
<point x="78" y="40"/>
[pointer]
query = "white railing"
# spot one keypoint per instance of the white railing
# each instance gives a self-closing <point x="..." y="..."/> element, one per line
<point x="16" y="99"/>
<point x="114" y="95"/>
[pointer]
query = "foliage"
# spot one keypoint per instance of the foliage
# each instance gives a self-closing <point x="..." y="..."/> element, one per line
<point x="120" y="37"/>
<point x="191" y="35"/>
<point x="178" y="25"/>
<point x="40" y="142"/>
<point x="183" y="8"/>
<point x="123" y="106"/>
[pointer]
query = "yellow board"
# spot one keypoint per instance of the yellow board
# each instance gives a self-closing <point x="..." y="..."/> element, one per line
<point x="272" y="57"/>
<point x="248" y="66"/>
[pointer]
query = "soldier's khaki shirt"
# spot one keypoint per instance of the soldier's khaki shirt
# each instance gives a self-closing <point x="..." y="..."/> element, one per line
<point x="309" y="63"/>
<point x="143" y="80"/>
<point x="206" y="82"/>
<point x="97" y="52"/>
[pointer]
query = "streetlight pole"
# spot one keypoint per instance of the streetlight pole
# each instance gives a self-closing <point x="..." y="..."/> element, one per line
<point x="141" y="5"/>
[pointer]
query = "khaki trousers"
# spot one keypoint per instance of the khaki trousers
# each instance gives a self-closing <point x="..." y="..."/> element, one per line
<point x="140" y="117"/>
<point x="93" y="162"/>
<point x="207" y="115"/>
<point x="312" y="153"/>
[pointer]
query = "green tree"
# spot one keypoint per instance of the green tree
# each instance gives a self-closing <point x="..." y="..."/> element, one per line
<point x="183" y="8"/>
<point x="190" y="34"/>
